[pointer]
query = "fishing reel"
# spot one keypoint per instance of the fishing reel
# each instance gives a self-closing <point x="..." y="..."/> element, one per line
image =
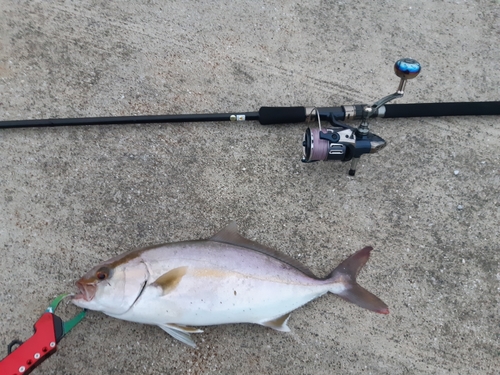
<point x="343" y="142"/>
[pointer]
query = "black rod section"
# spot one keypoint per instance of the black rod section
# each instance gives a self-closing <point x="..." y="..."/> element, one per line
<point x="121" y="120"/>
<point x="442" y="109"/>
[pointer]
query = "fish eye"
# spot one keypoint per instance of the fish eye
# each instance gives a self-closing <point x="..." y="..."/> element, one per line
<point x="102" y="273"/>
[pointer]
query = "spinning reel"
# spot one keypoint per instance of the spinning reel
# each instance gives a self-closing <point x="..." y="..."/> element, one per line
<point x="343" y="142"/>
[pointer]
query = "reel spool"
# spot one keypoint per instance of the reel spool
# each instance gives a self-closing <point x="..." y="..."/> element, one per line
<point x="331" y="144"/>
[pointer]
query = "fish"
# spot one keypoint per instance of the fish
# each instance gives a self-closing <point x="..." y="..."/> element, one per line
<point x="225" y="279"/>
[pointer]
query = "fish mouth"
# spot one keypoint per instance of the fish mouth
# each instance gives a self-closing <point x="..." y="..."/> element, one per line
<point x="86" y="291"/>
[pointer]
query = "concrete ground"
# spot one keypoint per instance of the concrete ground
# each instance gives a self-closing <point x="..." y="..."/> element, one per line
<point x="71" y="197"/>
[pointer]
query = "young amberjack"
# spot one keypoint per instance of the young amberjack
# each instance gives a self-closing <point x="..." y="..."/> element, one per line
<point x="225" y="279"/>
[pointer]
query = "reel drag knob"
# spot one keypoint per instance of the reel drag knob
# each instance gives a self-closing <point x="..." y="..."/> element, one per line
<point x="407" y="68"/>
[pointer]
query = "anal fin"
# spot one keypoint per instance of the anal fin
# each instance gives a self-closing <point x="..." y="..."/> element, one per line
<point x="181" y="333"/>
<point x="279" y="324"/>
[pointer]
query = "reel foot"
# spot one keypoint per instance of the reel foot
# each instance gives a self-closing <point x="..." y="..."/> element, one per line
<point x="354" y="165"/>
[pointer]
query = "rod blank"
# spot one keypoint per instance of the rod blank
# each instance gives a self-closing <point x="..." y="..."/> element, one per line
<point x="121" y="120"/>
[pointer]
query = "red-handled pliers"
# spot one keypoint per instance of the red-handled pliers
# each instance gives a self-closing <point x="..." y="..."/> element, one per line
<point x="49" y="330"/>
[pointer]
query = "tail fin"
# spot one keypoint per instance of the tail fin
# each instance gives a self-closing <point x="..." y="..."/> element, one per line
<point x="345" y="274"/>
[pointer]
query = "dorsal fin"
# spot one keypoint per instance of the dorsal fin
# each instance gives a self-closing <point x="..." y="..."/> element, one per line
<point x="231" y="236"/>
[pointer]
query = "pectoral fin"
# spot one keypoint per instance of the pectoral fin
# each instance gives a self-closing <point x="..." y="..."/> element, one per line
<point x="279" y="324"/>
<point x="181" y="333"/>
<point x="169" y="280"/>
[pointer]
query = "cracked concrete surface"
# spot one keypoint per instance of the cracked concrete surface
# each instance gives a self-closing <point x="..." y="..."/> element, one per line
<point x="71" y="197"/>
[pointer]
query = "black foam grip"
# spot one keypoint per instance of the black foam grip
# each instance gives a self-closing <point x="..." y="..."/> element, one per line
<point x="281" y="115"/>
<point x="442" y="109"/>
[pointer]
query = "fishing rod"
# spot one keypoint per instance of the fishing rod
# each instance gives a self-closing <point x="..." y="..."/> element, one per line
<point x="338" y="141"/>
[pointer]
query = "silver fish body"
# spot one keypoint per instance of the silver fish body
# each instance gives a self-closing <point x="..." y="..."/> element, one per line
<point x="226" y="279"/>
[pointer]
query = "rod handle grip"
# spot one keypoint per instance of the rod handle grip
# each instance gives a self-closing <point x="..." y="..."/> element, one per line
<point x="281" y="115"/>
<point x="442" y="109"/>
